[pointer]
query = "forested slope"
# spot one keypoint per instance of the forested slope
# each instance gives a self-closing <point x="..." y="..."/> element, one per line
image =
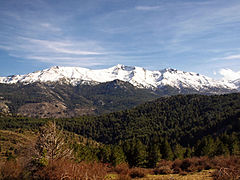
<point x="182" y="118"/>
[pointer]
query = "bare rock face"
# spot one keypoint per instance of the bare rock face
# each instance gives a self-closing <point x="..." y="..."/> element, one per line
<point x="42" y="110"/>
<point x="4" y="109"/>
<point x="50" y="110"/>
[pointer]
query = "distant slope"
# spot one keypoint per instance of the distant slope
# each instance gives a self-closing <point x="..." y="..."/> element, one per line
<point x="63" y="100"/>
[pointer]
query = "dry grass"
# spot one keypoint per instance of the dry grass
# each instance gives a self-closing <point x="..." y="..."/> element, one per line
<point x="203" y="168"/>
<point x="227" y="168"/>
<point x="204" y="175"/>
<point x="69" y="170"/>
<point x="14" y="142"/>
<point x="10" y="169"/>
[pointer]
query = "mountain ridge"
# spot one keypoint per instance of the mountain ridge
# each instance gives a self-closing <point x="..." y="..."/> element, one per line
<point x="137" y="76"/>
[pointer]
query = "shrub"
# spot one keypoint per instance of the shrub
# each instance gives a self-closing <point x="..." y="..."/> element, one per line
<point x="123" y="177"/>
<point x="227" y="168"/>
<point x="121" y="169"/>
<point x="176" y="166"/>
<point x="163" y="170"/>
<point x="185" y="164"/>
<point x="10" y="170"/>
<point x="226" y="174"/>
<point x="64" y="169"/>
<point x="163" y="167"/>
<point x="137" y="173"/>
<point x="164" y="163"/>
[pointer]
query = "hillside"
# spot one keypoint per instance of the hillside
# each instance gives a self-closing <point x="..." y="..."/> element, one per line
<point x="181" y="119"/>
<point x="56" y="100"/>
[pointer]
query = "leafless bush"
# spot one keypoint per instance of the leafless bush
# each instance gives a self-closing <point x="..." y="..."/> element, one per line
<point x="226" y="174"/>
<point x="227" y="168"/>
<point x="63" y="169"/>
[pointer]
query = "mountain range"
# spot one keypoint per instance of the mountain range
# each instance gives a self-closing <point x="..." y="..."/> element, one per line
<point x="137" y="76"/>
<point x="73" y="91"/>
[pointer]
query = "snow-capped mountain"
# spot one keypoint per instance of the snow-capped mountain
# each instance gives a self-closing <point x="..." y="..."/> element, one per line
<point x="137" y="76"/>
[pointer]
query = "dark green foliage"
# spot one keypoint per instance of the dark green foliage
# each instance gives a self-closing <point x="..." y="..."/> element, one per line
<point x="154" y="155"/>
<point x="135" y="153"/>
<point x="104" y="154"/>
<point x="166" y="151"/>
<point x="117" y="155"/>
<point x="182" y="119"/>
<point x="179" y="152"/>
<point x="206" y="146"/>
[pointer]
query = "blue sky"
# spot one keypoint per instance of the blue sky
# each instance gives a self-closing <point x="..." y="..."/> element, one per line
<point x="200" y="36"/>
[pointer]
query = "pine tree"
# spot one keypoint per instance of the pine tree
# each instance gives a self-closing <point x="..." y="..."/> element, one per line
<point x="179" y="151"/>
<point x="154" y="155"/>
<point x="166" y="150"/>
<point x="139" y="154"/>
<point x="117" y="155"/>
<point x="104" y="154"/>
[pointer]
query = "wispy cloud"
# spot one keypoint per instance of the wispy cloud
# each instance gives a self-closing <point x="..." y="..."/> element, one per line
<point x="147" y="8"/>
<point x="68" y="61"/>
<point x="42" y="35"/>
<point x="55" y="52"/>
<point x="43" y="41"/>
<point x="50" y="27"/>
<point x="231" y="57"/>
<point x="63" y="47"/>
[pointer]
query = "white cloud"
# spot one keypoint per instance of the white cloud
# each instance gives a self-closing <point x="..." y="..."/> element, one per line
<point x="229" y="74"/>
<point x="64" y="47"/>
<point x="147" y="8"/>
<point x="50" y="27"/>
<point x="231" y="57"/>
<point x="65" y="61"/>
<point x="62" y="52"/>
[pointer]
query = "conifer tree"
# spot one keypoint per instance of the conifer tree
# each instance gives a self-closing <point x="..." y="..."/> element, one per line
<point x="179" y="151"/>
<point x="139" y="154"/>
<point x="166" y="150"/>
<point x="154" y="155"/>
<point x="117" y="155"/>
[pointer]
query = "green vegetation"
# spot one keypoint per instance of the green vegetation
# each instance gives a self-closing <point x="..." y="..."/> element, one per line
<point x="169" y="128"/>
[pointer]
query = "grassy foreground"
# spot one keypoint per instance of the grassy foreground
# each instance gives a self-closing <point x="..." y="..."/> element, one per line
<point x="204" y="175"/>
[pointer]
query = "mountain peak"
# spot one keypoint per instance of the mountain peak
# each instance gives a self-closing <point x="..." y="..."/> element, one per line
<point x="124" y="67"/>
